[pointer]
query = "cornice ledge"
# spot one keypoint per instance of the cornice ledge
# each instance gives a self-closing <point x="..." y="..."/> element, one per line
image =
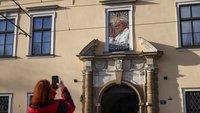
<point x="107" y="2"/>
<point x="49" y="7"/>
<point x="10" y="10"/>
<point x="156" y="54"/>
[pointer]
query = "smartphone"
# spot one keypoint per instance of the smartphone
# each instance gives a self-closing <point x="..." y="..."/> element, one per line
<point x="55" y="81"/>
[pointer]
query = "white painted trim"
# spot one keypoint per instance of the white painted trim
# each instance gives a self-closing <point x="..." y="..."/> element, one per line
<point x="119" y="8"/>
<point x="184" y="90"/>
<point x="16" y="17"/>
<point x="15" y="36"/>
<point x="41" y="14"/>
<point x="187" y="1"/>
<point x="29" y="94"/>
<point x="178" y="24"/>
<point x="10" y="100"/>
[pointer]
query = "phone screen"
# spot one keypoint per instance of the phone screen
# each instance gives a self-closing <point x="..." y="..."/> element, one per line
<point x="55" y="80"/>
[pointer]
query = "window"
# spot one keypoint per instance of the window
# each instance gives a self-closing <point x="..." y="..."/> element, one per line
<point x="189" y="25"/>
<point x="191" y="100"/>
<point x="29" y="96"/>
<point x="7" y="36"/>
<point x="119" y="29"/>
<point x="5" y="103"/>
<point x="42" y="34"/>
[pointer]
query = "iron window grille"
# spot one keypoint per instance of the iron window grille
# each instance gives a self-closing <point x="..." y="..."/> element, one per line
<point x="5" y="103"/>
<point x="192" y="101"/>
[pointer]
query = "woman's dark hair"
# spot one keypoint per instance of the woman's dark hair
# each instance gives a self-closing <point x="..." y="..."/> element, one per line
<point x="42" y="93"/>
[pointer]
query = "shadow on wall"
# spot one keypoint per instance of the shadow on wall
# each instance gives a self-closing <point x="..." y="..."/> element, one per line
<point x="168" y="66"/>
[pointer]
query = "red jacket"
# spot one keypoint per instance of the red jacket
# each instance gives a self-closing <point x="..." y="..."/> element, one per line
<point x="59" y="105"/>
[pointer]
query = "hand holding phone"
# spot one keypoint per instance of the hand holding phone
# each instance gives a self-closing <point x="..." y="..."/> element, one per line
<point x="61" y="84"/>
<point x="55" y="82"/>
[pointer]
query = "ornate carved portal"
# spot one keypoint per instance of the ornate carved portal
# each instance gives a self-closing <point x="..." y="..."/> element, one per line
<point x="115" y="81"/>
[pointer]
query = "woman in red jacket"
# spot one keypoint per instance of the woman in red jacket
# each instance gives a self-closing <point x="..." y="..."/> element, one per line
<point x="43" y="99"/>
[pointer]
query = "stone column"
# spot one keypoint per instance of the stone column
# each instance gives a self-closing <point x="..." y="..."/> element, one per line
<point x="151" y="89"/>
<point x="150" y="92"/>
<point x="88" y="87"/>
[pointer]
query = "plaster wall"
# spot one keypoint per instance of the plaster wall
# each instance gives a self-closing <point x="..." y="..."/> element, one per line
<point x="81" y="21"/>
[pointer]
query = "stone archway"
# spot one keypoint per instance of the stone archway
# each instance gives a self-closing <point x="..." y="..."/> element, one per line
<point x="120" y="99"/>
<point x="105" y="74"/>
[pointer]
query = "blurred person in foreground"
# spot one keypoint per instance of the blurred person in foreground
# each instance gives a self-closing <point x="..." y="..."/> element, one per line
<point x="43" y="100"/>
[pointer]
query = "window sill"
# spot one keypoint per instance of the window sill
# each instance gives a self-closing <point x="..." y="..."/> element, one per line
<point x="188" y="49"/>
<point x="39" y="56"/>
<point x="105" y="2"/>
<point x="8" y="57"/>
<point x="118" y="52"/>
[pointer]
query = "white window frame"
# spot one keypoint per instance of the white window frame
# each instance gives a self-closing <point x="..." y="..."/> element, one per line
<point x="42" y="14"/>
<point x="184" y="90"/>
<point x="178" y="3"/>
<point x="10" y="100"/>
<point x="119" y="8"/>
<point x="13" y="16"/>
<point x="29" y="94"/>
<point x="186" y="0"/>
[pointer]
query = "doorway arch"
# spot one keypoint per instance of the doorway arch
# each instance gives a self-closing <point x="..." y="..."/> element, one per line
<point x="120" y="99"/>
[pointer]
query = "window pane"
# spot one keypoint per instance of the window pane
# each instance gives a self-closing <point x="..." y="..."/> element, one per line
<point x="37" y="37"/>
<point x="196" y="11"/>
<point x="36" y="48"/>
<point x="196" y="26"/>
<point x="46" y="48"/>
<point x="186" y="27"/>
<point x="4" y="103"/>
<point x="187" y="39"/>
<point x="1" y="50"/>
<point x="10" y="26"/>
<point x="2" y="38"/>
<point x="2" y="25"/>
<point x="185" y="11"/>
<point x="8" y="50"/>
<point x="37" y="23"/>
<point x="197" y="39"/>
<point x="47" y="22"/>
<point x="46" y="36"/>
<point x="9" y="38"/>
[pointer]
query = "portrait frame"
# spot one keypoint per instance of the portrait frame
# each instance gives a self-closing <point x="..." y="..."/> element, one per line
<point x="119" y="28"/>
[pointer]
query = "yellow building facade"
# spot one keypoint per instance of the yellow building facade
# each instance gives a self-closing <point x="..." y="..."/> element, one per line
<point x="115" y="56"/>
